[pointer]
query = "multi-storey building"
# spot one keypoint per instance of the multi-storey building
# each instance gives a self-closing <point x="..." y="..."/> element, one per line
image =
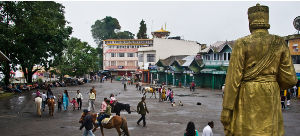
<point x="120" y="55"/>
<point x="293" y="42"/>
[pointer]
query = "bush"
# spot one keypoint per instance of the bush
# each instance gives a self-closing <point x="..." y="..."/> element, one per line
<point x="40" y="81"/>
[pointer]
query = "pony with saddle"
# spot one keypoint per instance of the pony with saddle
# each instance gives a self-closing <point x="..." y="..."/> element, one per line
<point x="51" y="103"/>
<point x="118" y="122"/>
<point x="151" y="90"/>
<point x="118" y="107"/>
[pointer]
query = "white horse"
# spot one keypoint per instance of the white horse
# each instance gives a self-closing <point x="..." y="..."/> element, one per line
<point x="38" y="104"/>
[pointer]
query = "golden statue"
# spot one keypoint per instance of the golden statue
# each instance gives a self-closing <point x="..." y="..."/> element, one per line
<point x="259" y="67"/>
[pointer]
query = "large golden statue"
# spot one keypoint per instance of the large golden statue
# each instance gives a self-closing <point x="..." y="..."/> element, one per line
<point x="259" y="67"/>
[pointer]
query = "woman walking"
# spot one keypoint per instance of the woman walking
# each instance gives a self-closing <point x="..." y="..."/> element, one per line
<point x="66" y="100"/>
<point x="190" y="130"/>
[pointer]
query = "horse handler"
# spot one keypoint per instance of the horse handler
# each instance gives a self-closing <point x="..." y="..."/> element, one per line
<point x="88" y="124"/>
<point x="142" y="109"/>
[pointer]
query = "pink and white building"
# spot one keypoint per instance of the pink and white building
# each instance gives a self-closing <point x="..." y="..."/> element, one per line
<point x="120" y="56"/>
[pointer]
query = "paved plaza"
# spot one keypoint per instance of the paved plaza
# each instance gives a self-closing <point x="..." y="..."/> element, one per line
<point x="18" y="116"/>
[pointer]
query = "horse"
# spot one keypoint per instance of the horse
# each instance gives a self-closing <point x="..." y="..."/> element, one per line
<point x="149" y="90"/>
<point x="51" y="103"/>
<point x="117" y="122"/>
<point x="118" y="107"/>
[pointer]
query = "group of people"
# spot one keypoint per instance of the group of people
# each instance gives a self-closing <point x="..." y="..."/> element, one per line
<point x="287" y="96"/>
<point x="192" y="131"/>
<point x="166" y="94"/>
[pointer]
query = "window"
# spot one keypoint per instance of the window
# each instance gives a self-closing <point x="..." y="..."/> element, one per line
<point x="215" y="56"/>
<point x="121" y="63"/>
<point x="130" y="54"/>
<point x="130" y="63"/>
<point x="121" y="55"/>
<point x="225" y="55"/>
<point x="150" y="57"/>
<point x="228" y="56"/>
<point x="295" y="47"/>
<point x="113" y="63"/>
<point x="141" y="57"/>
<point x="113" y="55"/>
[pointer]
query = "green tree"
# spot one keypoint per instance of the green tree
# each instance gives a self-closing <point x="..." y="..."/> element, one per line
<point x="78" y="59"/>
<point x="142" y="34"/>
<point x="39" y="29"/>
<point x="7" y="28"/>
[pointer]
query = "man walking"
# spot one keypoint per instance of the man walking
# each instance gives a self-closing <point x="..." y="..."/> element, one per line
<point x="92" y="97"/>
<point x="207" y="130"/>
<point x="79" y="99"/>
<point x="142" y="109"/>
<point x="87" y="123"/>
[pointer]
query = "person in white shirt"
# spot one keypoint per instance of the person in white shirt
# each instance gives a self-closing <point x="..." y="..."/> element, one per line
<point x="92" y="97"/>
<point x="44" y="98"/>
<point x="207" y="130"/>
<point x="79" y="99"/>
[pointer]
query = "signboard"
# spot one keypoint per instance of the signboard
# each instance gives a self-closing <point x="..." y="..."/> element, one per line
<point x="152" y="67"/>
<point x="120" y="67"/>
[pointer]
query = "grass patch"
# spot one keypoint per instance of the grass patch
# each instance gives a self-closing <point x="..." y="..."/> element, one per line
<point x="5" y="95"/>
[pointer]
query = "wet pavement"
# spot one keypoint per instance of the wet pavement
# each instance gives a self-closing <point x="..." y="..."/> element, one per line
<point x="18" y="116"/>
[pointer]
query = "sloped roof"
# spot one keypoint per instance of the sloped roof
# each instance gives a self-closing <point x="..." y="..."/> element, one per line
<point x="218" y="46"/>
<point x="168" y="61"/>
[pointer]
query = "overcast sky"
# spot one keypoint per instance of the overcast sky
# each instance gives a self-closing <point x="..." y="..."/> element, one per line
<point x="205" y="22"/>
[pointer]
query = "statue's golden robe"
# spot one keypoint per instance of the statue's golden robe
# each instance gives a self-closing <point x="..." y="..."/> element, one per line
<point x="255" y="100"/>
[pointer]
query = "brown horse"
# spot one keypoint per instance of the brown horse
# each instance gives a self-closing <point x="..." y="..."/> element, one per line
<point x="51" y="103"/>
<point x="117" y="122"/>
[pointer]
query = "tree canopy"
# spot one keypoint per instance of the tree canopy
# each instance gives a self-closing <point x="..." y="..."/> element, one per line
<point x="34" y="33"/>
<point x="142" y="34"/>
<point x="78" y="59"/>
<point x="108" y="28"/>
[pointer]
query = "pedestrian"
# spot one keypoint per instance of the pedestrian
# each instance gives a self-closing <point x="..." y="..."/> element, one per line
<point x="87" y="123"/>
<point x="49" y="93"/>
<point x="191" y="130"/>
<point x="94" y="91"/>
<point x="168" y="94"/>
<point x="79" y="99"/>
<point x="294" y="91"/>
<point x="172" y="96"/>
<point x="140" y="86"/>
<point x="38" y="103"/>
<point x="124" y="82"/>
<point x="207" y="130"/>
<point x="92" y="97"/>
<point x="44" y="97"/>
<point x="111" y="79"/>
<point x="142" y="109"/>
<point x="74" y="104"/>
<point x="66" y="100"/>
<point x="288" y="98"/>
<point x="193" y="86"/>
<point x="59" y="102"/>
<point x="112" y="99"/>
<point x="163" y="95"/>
<point x="159" y="94"/>
<point x="106" y="113"/>
<point x="38" y="93"/>
<point x="282" y="101"/>
<point x="103" y="106"/>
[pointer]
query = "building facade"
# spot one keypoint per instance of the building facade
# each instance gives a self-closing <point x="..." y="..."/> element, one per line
<point x="120" y="56"/>
<point x="293" y="42"/>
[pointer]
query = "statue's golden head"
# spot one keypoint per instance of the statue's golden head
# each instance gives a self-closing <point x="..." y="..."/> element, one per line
<point x="258" y="17"/>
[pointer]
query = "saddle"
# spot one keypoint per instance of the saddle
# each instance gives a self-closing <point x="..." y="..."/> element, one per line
<point x="106" y="120"/>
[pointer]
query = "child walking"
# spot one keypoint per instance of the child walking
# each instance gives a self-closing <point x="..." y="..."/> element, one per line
<point x="59" y="102"/>
<point x="74" y="104"/>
